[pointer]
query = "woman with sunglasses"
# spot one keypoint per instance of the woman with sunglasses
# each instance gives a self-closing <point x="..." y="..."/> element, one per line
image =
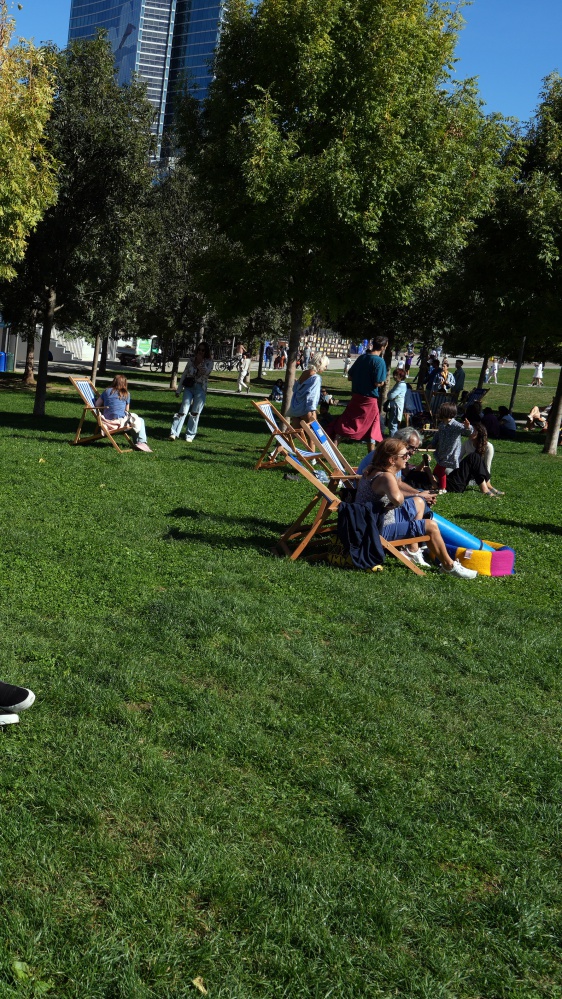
<point x="405" y="517"/>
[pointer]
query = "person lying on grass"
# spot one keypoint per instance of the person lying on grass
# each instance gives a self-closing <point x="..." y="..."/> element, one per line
<point x="538" y="418"/>
<point x="405" y="517"/>
<point x="115" y="403"/>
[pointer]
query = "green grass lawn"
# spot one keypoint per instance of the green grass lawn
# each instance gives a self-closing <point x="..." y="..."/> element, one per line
<point x="288" y="779"/>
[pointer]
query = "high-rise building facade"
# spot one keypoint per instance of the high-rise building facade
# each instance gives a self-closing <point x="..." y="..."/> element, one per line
<point x="163" y="41"/>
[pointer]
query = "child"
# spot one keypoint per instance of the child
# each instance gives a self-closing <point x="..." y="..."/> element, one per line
<point x="276" y="394"/>
<point x="115" y="403"/>
<point x="395" y="400"/>
<point x="447" y="442"/>
<point x="326" y="400"/>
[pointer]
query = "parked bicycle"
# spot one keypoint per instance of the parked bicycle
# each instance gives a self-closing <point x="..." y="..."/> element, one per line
<point x="229" y="364"/>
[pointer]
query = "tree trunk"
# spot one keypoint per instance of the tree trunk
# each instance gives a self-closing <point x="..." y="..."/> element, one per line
<point x="43" y="369"/>
<point x="260" y="359"/>
<point x="297" y="318"/>
<point x="164" y="357"/>
<point x="517" y="373"/>
<point x="482" y="373"/>
<point x="28" y="378"/>
<point x="554" y="421"/>
<point x="175" y="369"/>
<point x="102" y="369"/>
<point x="94" y="371"/>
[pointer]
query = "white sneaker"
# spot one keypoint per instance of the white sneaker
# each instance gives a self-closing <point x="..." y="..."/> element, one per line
<point x="417" y="558"/>
<point x="189" y="439"/>
<point x="8" y="717"/>
<point x="459" y="571"/>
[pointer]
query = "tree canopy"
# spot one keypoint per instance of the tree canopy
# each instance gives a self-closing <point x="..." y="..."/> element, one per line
<point x="335" y="149"/>
<point x="27" y="167"/>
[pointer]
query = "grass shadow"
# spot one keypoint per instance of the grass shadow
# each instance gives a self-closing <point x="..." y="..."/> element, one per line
<point x="533" y="528"/>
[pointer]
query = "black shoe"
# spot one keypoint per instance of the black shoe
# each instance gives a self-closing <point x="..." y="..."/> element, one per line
<point x="15" y="698"/>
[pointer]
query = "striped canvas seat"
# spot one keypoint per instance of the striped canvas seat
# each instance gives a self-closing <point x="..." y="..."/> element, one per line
<point x="283" y="439"/>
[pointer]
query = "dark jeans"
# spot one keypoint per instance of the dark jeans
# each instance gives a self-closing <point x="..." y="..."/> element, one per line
<point x="472" y="466"/>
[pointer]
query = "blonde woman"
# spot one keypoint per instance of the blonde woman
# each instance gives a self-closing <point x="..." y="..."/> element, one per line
<point x="306" y="391"/>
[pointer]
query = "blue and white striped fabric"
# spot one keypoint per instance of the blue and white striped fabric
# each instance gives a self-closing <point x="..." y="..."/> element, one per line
<point x="269" y="414"/>
<point x="86" y="391"/>
<point x="326" y="443"/>
<point x="413" y="402"/>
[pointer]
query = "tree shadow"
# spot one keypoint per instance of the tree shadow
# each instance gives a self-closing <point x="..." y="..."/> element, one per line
<point x="25" y="424"/>
<point x="244" y="532"/>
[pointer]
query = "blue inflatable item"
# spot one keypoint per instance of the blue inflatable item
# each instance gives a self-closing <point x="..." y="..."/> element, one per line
<point x="457" y="538"/>
<point x="2" y="361"/>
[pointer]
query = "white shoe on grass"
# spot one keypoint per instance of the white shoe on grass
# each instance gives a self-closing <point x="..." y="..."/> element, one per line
<point x="189" y="438"/>
<point x="14" y="698"/>
<point x="459" y="571"/>
<point x="417" y="558"/>
<point x="8" y="717"/>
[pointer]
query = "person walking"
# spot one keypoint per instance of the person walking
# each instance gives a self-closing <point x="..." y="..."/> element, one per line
<point x="193" y="389"/>
<point x="360" y="420"/>
<point x="538" y="373"/>
<point x="494" y="366"/>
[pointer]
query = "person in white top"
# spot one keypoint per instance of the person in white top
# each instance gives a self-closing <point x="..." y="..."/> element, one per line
<point x="244" y="373"/>
<point x="538" y="373"/>
<point x="494" y="370"/>
<point x="193" y="389"/>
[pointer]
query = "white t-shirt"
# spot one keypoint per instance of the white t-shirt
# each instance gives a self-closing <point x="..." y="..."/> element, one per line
<point x="538" y="371"/>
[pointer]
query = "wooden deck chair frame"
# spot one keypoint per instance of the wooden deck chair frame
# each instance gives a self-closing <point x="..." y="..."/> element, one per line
<point x="413" y="399"/>
<point x="88" y="393"/>
<point x="325" y="522"/>
<point x="339" y="469"/>
<point x="283" y="439"/>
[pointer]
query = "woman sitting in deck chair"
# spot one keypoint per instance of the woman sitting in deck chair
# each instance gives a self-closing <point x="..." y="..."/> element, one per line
<point x="405" y="517"/>
<point x="114" y="403"/>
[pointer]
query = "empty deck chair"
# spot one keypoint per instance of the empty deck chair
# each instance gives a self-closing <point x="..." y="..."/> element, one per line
<point x="296" y="539"/>
<point x="413" y="404"/>
<point x="88" y="393"/>
<point x="435" y="401"/>
<point x="283" y="439"/>
<point x="476" y="395"/>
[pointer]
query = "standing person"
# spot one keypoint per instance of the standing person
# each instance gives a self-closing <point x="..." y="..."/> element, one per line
<point x="487" y="373"/>
<point x="459" y="375"/>
<point x="446" y="379"/>
<point x="347" y="362"/>
<point x="360" y="420"/>
<point x="114" y="403"/>
<point x="244" y="373"/>
<point x="401" y="362"/>
<point x="408" y="361"/>
<point x="306" y="392"/>
<point x="447" y="442"/>
<point x="306" y="355"/>
<point x="193" y="388"/>
<point x="494" y="366"/>
<point x="395" y="400"/>
<point x="269" y="356"/>
<point x="538" y="373"/>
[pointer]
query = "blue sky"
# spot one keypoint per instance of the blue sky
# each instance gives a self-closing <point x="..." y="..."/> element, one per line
<point x="509" y="44"/>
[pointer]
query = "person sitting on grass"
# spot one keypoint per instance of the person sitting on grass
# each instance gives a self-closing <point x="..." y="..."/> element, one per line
<point x="491" y="422"/>
<point x="326" y="400"/>
<point x="447" y="442"/>
<point x="114" y="403"/>
<point x="473" y="465"/>
<point x="276" y="394"/>
<point x="404" y="517"/>
<point x="508" y="426"/>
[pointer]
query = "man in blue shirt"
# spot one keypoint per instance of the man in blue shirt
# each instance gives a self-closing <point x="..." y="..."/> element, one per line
<point x="459" y="375"/>
<point x="360" y="421"/>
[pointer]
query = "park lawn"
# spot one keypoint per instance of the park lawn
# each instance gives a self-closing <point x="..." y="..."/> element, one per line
<point x="286" y="779"/>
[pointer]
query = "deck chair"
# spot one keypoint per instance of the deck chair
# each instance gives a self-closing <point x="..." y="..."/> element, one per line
<point x="283" y="439"/>
<point x="435" y="400"/>
<point x="476" y="395"/>
<point x="325" y="504"/>
<point x="340" y="471"/>
<point x="413" y="404"/>
<point x="88" y="393"/>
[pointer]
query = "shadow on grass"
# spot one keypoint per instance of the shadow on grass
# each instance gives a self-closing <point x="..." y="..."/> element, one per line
<point x="25" y="422"/>
<point x="533" y="528"/>
<point x="240" y="532"/>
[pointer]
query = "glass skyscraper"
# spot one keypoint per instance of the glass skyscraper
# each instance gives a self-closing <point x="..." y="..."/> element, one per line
<point x="163" y="41"/>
